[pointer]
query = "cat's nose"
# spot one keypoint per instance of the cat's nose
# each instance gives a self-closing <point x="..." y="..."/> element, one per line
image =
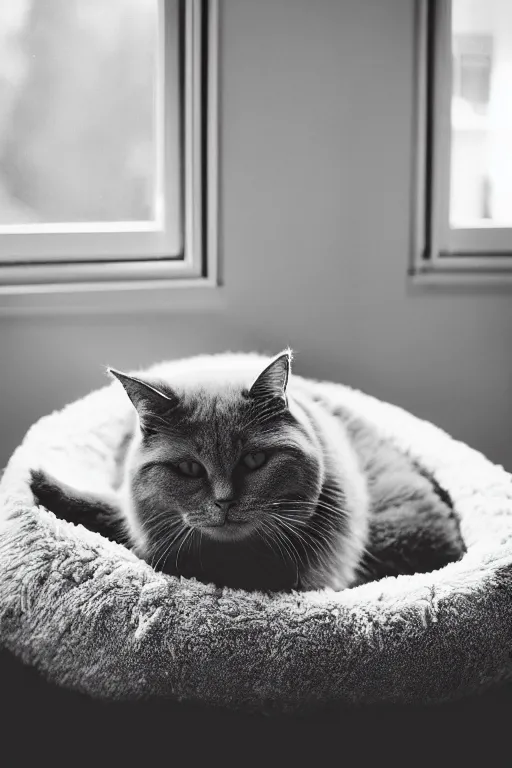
<point x="224" y="504"/>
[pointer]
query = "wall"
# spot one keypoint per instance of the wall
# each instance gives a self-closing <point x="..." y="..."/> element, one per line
<point x="316" y="153"/>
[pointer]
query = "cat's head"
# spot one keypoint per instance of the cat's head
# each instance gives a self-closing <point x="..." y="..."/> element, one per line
<point x="222" y="456"/>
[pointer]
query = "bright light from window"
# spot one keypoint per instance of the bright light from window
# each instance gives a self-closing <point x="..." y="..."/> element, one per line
<point x="481" y="155"/>
<point x="79" y="112"/>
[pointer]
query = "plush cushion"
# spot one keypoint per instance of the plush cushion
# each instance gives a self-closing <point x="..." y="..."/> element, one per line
<point x="92" y="616"/>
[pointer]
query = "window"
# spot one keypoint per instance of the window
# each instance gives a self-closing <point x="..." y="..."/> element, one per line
<point x="464" y="218"/>
<point x="107" y="142"/>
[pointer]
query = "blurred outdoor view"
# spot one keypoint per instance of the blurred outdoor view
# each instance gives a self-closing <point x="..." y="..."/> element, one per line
<point x="77" y="110"/>
<point x="481" y="163"/>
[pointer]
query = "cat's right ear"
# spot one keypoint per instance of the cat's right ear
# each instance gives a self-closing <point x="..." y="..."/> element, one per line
<point x="146" y="399"/>
<point x="273" y="381"/>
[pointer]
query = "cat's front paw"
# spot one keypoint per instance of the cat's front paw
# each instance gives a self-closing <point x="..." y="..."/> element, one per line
<point x="43" y="487"/>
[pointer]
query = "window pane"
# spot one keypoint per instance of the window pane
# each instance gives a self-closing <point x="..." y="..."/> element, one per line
<point x="78" y="111"/>
<point x="481" y="155"/>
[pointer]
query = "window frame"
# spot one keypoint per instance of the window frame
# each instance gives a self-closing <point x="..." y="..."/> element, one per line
<point x="469" y="254"/>
<point x="112" y="272"/>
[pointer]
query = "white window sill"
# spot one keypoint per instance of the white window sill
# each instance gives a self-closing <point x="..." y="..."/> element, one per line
<point x="178" y="295"/>
<point x="459" y="279"/>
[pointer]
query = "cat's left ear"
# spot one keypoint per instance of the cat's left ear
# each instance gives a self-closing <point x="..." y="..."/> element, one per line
<point x="150" y="403"/>
<point x="272" y="382"/>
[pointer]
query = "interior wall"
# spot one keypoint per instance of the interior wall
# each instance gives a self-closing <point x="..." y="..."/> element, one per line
<point x="315" y="196"/>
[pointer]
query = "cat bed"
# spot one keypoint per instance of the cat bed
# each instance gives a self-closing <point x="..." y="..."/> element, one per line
<point x="93" y="617"/>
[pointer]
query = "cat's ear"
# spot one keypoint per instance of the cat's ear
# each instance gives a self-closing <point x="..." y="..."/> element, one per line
<point x="146" y="399"/>
<point x="272" y="382"/>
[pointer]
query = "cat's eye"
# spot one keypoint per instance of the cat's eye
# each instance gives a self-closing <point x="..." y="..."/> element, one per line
<point x="254" y="460"/>
<point x="191" y="468"/>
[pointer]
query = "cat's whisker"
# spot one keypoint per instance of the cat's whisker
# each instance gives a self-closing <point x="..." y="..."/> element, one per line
<point x="314" y="523"/>
<point x="162" y="517"/>
<point x="315" y="542"/>
<point x="335" y="513"/>
<point x="190" y="532"/>
<point x="286" y="544"/>
<point x="199" y="548"/>
<point x="373" y="557"/>
<point x="165" y="536"/>
<point x="312" y="503"/>
<point x="322" y="527"/>
<point x="260" y="530"/>
<point x="319" y="524"/>
<point x="157" y="550"/>
<point x="294" y="560"/>
<point x="260" y="533"/>
<point x="168" y="548"/>
<point x="157" y="554"/>
<point x="282" y="543"/>
<point x="270" y="530"/>
<point x="297" y="534"/>
<point x="270" y="545"/>
<point x="325" y="533"/>
<point x="290" y="539"/>
<point x="156" y="528"/>
<point x="294" y="521"/>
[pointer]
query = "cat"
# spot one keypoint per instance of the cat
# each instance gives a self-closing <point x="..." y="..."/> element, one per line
<point x="239" y="474"/>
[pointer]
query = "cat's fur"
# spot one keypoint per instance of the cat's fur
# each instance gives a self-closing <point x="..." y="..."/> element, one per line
<point x="307" y="518"/>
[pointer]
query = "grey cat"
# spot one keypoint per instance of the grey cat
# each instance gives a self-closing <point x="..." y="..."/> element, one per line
<point x="241" y="475"/>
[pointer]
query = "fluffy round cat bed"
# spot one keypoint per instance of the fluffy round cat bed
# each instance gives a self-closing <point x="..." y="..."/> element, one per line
<point x="93" y="617"/>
